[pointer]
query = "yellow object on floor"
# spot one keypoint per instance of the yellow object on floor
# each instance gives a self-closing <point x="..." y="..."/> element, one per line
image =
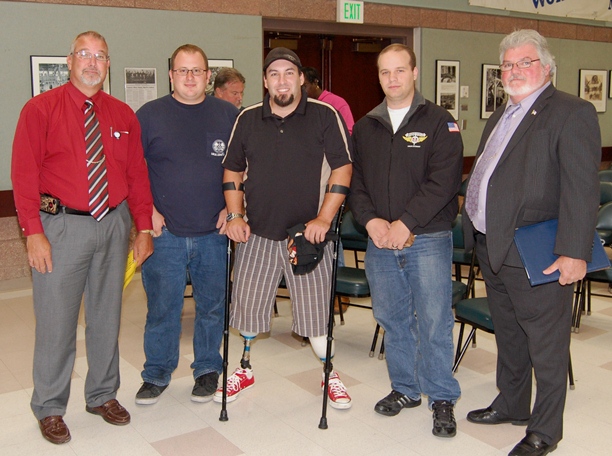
<point x="130" y="269"/>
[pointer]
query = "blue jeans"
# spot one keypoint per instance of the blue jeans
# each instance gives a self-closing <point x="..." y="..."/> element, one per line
<point x="412" y="301"/>
<point x="164" y="276"/>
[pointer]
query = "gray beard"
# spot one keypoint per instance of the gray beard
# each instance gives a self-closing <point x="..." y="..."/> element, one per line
<point x="90" y="82"/>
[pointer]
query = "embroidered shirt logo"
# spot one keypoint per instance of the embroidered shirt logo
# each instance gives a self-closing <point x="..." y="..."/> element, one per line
<point x="415" y="138"/>
<point x="218" y="148"/>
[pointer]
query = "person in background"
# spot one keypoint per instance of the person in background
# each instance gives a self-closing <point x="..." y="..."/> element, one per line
<point x="408" y="163"/>
<point x="312" y="81"/>
<point x="537" y="160"/>
<point x="78" y="171"/>
<point x="229" y="86"/>
<point x="185" y="136"/>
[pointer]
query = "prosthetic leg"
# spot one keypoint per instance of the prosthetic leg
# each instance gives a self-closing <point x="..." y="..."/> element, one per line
<point x="245" y="361"/>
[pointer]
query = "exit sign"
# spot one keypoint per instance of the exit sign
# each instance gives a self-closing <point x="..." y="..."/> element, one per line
<point x="349" y="11"/>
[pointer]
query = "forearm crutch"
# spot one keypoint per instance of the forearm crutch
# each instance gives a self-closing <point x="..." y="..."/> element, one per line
<point x="330" y="324"/>
<point x="228" y="291"/>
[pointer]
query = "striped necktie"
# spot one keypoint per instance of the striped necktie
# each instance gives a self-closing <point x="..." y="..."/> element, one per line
<point x="96" y="164"/>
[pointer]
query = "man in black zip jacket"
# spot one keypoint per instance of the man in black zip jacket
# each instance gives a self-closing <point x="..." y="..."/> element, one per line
<point x="407" y="172"/>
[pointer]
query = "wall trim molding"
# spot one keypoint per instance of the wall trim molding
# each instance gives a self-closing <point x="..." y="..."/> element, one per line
<point x="375" y="14"/>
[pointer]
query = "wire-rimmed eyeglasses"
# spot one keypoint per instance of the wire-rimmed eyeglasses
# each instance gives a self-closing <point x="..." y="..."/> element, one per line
<point x="521" y="64"/>
<point x="86" y="55"/>
<point x="194" y="71"/>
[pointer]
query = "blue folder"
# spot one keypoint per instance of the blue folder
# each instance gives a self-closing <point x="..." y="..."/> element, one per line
<point x="536" y="244"/>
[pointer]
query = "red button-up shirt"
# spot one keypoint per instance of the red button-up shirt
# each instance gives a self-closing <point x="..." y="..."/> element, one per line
<point x="49" y="156"/>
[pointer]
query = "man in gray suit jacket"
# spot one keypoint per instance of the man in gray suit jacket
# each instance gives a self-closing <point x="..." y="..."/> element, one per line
<point x="537" y="160"/>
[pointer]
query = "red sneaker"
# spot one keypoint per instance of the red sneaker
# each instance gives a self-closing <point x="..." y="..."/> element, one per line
<point x="240" y="380"/>
<point x="336" y="391"/>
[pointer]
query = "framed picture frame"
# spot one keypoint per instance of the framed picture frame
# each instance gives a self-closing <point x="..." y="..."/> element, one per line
<point x="610" y="85"/>
<point x="48" y="72"/>
<point x="493" y="93"/>
<point x="593" y="87"/>
<point x="447" y="86"/>
<point x="214" y="65"/>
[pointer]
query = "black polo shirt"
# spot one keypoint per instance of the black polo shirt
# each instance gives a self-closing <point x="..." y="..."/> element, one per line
<point x="286" y="162"/>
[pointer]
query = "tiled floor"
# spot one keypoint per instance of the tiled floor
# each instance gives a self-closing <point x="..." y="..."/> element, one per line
<point x="280" y="415"/>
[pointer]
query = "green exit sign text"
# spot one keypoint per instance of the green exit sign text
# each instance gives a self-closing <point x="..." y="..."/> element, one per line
<point x="349" y="11"/>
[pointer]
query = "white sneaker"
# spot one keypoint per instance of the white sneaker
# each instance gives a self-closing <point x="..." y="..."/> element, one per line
<point x="336" y="391"/>
<point x="240" y="380"/>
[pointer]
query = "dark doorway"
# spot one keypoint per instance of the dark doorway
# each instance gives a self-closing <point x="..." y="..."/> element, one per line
<point x="347" y="64"/>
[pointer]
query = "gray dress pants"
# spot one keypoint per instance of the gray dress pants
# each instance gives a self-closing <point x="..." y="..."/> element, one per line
<point x="89" y="260"/>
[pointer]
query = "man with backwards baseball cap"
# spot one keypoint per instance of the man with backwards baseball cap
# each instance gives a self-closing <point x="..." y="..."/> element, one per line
<point x="288" y="163"/>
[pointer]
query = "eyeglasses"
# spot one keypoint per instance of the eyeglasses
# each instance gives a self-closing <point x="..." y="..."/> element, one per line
<point x="195" y="71"/>
<point x="521" y="64"/>
<point x="86" y="55"/>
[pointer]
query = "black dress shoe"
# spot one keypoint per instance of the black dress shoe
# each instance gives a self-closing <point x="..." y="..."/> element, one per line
<point x="532" y="445"/>
<point x="394" y="403"/>
<point x="490" y="416"/>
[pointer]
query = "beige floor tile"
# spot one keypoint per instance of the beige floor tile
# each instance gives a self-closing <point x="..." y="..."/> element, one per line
<point x="282" y="412"/>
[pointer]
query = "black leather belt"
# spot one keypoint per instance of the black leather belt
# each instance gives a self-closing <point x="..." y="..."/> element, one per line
<point x="71" y="211"/>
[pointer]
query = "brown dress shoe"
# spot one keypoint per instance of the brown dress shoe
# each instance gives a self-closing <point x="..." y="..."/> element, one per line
<point x="54" y="429"/>
<point x="112" y="412"/>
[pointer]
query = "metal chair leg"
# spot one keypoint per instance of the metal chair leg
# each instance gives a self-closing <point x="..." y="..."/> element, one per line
<point x="374" y="341"/>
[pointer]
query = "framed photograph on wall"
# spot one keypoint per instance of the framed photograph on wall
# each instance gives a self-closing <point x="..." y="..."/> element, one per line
<point x="49" y="72"/>
<point x="610" y="85"/>
<point x="214" y="65"/>
<point x="447" y="86"/>
<point x="593" y="87"/>
<point x="493" y="94"/>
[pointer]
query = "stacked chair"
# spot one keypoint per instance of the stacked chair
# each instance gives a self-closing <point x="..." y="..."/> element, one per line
<point x="583" y="295"/>
<point x="475" y="312"/>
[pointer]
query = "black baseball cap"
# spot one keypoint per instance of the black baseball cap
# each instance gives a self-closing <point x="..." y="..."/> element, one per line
<point x="281" y="53"/>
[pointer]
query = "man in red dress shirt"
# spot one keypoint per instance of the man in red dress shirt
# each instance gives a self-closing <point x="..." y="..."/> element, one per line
<point x="78" y="244"/>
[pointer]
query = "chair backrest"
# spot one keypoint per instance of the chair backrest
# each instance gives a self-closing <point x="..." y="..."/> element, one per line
<point x="605" y="192"/>
<point x="458" y="233"/>
<point x="605" y="175"/>
<point x="604" y="223"/>
<point x="354" y="236"/>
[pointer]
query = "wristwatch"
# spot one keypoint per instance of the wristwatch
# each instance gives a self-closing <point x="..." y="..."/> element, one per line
<point x="151" y="232"/>
<point x="232" y="215"/>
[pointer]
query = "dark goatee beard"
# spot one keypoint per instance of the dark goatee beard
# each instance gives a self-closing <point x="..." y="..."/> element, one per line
<point x="284" y="101"/>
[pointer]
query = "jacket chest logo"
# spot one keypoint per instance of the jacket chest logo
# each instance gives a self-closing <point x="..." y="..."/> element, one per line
<point x="415" y="138"/>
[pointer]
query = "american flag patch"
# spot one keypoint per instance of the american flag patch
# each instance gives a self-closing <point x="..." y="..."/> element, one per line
<point x="452" y="126"/>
